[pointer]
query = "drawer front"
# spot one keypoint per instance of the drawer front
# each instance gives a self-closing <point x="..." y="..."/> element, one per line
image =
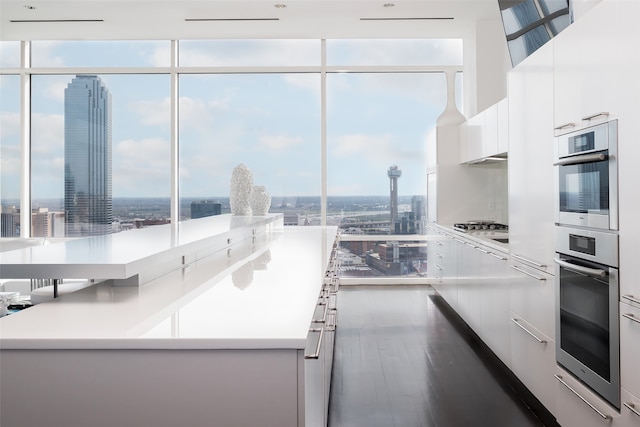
<point x="630" y="348"/>
<point x="578" y="406"/>
<point x="532" y="297"/>
<point x="533" y="360"/>
<point x="630" y="410"/>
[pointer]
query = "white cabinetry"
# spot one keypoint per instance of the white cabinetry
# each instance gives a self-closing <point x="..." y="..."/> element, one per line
<point x="485" y="134"/>
<point x="586" y="75"/>
<point x="479" y="290"/>
<point x="630" y="411"/>
<point x="578" y="406"/>
<point x="531" y="171"/>
<point x="533" y="360"/>
<point x="532" y="297"/>
<point x="630" y="349"/>
<point x="629" y="149"/>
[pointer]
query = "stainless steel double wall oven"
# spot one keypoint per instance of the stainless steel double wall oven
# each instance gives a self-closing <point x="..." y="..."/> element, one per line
<point x="587" y="290"/>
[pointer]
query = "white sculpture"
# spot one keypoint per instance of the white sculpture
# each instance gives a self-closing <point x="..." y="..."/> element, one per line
<point x="260" y="200"/>
<point x="240" y="192"/>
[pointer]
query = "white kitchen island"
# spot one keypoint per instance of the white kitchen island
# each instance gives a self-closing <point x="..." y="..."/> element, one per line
<point x="219" y="342"/>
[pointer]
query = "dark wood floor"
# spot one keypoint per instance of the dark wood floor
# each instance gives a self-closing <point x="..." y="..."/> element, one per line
<point x="400" y="361"/>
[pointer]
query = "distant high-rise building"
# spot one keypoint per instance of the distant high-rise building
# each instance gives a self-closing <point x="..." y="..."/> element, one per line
<point x="203" y="208"/>
<point x="393" y="173"/>
<point x="9" y="222"/>
<point x="88" y="199"/>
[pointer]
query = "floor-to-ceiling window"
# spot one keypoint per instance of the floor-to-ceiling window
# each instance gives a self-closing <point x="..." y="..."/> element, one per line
<point x="258" y="106"/>
<point x="100" y="142"/>
<point x="335" y="127"/>
<point x="379" y="113"/>
<point x="10" y="151"/>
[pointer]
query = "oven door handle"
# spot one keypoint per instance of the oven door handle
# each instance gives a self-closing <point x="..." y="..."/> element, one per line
<point x="593" y="272"/>
<point x="585" y="158"/>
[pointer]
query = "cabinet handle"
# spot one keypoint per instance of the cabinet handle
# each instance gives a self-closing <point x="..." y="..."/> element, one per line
<point x="530" y="261"/>
<point x="438" y="267"/>
<point x="631" y="298"/>
<point x="517" y="322"/>
<point x="595" y="116"/>
<point x="500" y="257"/>
<point x="324" y="314"/>
<point x="566" y="125"/>
<point x="439" y="255"/>
<point x="482" y="250"/>
<point x="631" y="317"/>
<point x="578" y="160"/>
<point x="527" y="273"/>
<point x="439" y="243"/>
<point x="316" y="354"/>
<point x="459" y="240"/>
<point x="632" y="408"/>
<point x="604" y="416"/>
<point x="331" y="326"/>
<point x="592" y="272"/>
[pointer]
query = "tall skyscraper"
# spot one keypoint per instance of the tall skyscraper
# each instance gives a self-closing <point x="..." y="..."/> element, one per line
<point x="393" y="173"/>
<point x="88" y="199"/>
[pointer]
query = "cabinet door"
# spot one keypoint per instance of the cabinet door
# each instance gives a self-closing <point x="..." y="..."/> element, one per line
<point x="494" y="298"/>
<point x="490" y="135"/>
<point x="630" y="348"/>
<point x="630" y="410"/>
<point x="467" y="259"/>
<point x="629" y="202"/>
<point x="578" y="406"/>
<point x="599" y="70"/>
<point x="531" y="172"/>
<point x="533" y="360"/>
<point x="532" y="297"/>
<point x="567" y="59"/>
<point x="503" y="126"/>
<point x="475" y="128"/>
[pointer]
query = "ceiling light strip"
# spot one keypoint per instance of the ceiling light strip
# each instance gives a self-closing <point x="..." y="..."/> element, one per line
<point x="230" y="19"/>
<point x="405" y="19"/>
<point x="57" y="20"/>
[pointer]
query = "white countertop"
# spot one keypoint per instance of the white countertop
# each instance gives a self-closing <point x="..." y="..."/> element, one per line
<point x="262" y="294"/>
<point x="123" y="255"/>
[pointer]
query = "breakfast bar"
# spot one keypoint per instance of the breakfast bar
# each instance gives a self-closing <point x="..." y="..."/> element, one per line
<point x="246" y="327"/>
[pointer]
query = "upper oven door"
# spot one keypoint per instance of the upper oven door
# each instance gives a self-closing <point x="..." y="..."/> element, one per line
<point x="583" y="191"/>
<point x="587" y="178"/>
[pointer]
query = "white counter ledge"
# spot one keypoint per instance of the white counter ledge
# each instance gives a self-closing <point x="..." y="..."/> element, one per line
<point x="134" y="256"/>
<point x="260" y="294"/>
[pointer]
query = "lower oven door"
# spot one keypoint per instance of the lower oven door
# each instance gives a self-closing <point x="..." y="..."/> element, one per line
<point x="587" y="333"/>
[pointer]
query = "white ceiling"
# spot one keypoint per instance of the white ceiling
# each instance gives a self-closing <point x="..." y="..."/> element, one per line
<point x="168" y="19"/>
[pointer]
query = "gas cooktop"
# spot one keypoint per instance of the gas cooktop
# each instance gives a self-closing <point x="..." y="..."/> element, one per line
<point x="479" y="226"/>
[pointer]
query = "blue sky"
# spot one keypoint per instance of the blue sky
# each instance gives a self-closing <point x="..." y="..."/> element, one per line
<point x="269" y="122"/>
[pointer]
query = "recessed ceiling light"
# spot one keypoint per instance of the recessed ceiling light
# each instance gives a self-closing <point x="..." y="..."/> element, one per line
<point x="388" y="5"/>
<point x="26" y="6"/>
<point x="280" y="5"/>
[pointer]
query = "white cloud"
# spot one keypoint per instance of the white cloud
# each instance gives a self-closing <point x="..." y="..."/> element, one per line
<point x="279" y="142"/>
<point x="153" y="112"/>
<point x="9" y="125"/>
<point x="10" y="161"/>
<point x="142" y="167"/>
<point x="47" y="133"/>
<point x="43" y="50"/>
<point x="250" y="53"/>
<point x="371" y="147"/>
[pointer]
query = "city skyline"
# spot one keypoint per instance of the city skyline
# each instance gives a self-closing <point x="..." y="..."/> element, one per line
<point x="270" y="122"/>
<point x="88" y="204"/>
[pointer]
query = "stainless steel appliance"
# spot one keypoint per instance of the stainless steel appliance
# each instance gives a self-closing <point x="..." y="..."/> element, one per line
<point x="587" y="331"/>
<point x="485" y="228"/>
<point x="587" y="177"/>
